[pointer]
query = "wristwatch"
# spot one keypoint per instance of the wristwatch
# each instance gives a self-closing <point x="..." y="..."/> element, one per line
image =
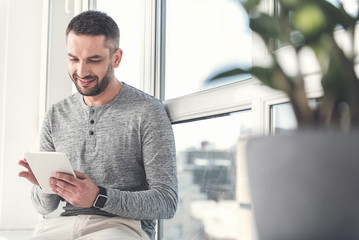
<point x="101" y="198"/>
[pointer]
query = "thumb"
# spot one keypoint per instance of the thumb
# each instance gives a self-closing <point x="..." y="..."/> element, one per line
<point x="81" y="175"/>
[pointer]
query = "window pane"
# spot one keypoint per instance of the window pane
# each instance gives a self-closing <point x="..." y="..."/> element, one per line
<point x="204" y="38"/>
<point x="129" y="16"/>
<point x="211" y="180"/>
<point x="283" y="118"/>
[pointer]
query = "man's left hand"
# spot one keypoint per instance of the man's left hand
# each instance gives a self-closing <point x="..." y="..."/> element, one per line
<point x="80" y="191"/>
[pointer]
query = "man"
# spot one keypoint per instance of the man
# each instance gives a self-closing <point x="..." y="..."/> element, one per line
<point x="119" y="140"/>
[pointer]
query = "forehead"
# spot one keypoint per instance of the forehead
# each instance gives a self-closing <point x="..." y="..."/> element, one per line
<point x="84" y="45"/>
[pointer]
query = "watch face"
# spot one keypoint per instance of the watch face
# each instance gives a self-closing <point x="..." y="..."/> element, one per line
<point x="100" y="201"/>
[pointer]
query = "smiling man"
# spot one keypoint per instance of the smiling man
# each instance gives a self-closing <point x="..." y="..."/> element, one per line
<point x="117" y="138"/>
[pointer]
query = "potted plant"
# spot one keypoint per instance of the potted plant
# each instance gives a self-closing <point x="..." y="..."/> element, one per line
<point x="289" y="175"/>
<point x="303" y="24"/>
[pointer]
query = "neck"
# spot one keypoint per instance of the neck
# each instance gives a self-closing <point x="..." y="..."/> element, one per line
<point x="111" y="91"/>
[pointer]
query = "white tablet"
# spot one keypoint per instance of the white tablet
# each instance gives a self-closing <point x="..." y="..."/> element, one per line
<point x="45" y="164"/>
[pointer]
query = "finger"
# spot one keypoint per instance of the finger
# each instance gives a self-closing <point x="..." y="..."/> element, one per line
<point x="29" y="176"/>
<point x="23" y="163"/>
<point x="60" y="191"/>
<point x="23" y="174"/>
<point x="24" y="160"/>
<point x="67" y="178"/>
<point x="60" y="186"/>
<point x="64" y="190"/>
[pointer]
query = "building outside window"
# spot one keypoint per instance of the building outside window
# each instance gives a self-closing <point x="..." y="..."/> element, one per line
<point x="210" y="163"/>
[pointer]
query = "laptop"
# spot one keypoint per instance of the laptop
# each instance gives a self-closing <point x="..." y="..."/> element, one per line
<point x="296" y="195"/>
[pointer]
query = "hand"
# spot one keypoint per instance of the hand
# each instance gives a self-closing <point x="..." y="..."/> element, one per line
<point x="29" y="175"/>
<point x="80" y="191"/>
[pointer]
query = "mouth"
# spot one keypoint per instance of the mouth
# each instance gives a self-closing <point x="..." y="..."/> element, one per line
<point x="86" y="82"/>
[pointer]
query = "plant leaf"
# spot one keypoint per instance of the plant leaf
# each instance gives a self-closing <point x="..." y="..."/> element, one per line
<point x="229" y="73"/>
<point x="335" y="15"/>
<point x="309" y="19"/>
<point x="266" y="26"/>
<point x="263" y="74"/>
<point x="250" y="5"/>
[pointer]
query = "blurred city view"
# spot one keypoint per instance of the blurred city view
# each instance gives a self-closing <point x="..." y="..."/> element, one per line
<point x="212" y="176"/>
<point x="214" y="198"/>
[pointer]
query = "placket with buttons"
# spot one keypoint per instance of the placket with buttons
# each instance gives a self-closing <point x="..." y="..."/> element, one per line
<point x="91" y="136"/>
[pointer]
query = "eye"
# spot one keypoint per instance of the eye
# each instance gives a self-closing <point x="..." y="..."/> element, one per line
<point x="73" y="59"/>
<point x="95" y="60"/>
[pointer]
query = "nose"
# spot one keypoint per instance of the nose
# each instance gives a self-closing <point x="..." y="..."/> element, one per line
<point x="83" y="69"/>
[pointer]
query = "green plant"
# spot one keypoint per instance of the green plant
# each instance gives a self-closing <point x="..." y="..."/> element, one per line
<point x="309" y="24"/>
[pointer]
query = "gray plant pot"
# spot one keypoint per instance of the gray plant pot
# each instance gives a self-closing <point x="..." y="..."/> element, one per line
<point x="305" y="185"/>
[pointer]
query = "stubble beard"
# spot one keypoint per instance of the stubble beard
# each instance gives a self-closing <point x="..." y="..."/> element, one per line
<point x="100" y="85"/>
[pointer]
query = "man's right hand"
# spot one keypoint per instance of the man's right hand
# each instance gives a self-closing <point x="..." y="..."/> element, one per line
<point x="29" y="175"/>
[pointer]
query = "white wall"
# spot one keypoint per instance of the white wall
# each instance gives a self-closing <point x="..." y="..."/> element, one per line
<point x="33" y="75"/>
<point x="20" y="78"/>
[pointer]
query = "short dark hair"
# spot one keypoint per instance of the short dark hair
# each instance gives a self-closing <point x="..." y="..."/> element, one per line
<point x="96" y="23"/>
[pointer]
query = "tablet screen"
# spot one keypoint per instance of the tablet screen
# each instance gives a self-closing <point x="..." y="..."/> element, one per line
<point x="45" y="164"/>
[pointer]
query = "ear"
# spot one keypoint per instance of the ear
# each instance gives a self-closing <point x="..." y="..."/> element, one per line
<point x="116" y="57"/>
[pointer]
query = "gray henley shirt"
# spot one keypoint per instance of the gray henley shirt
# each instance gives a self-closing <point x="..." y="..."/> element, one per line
<point x="126" y="146"/>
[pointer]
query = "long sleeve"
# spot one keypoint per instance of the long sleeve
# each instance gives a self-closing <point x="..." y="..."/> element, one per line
<point x="45" y="203"/>
<point x="158" y="150"/>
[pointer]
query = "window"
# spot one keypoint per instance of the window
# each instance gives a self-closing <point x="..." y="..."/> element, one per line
<point x="210" y="121"/>
<point x="282" y="118"/>
<point x="130" y="17"/>
<point x="203" y="39"/>
<point x="210" y="173"/>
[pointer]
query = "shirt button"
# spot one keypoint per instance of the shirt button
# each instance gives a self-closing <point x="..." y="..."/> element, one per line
<point x="92" y="110"/>
<point x="91" y="133"/>
<point x="92" y="121"/>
